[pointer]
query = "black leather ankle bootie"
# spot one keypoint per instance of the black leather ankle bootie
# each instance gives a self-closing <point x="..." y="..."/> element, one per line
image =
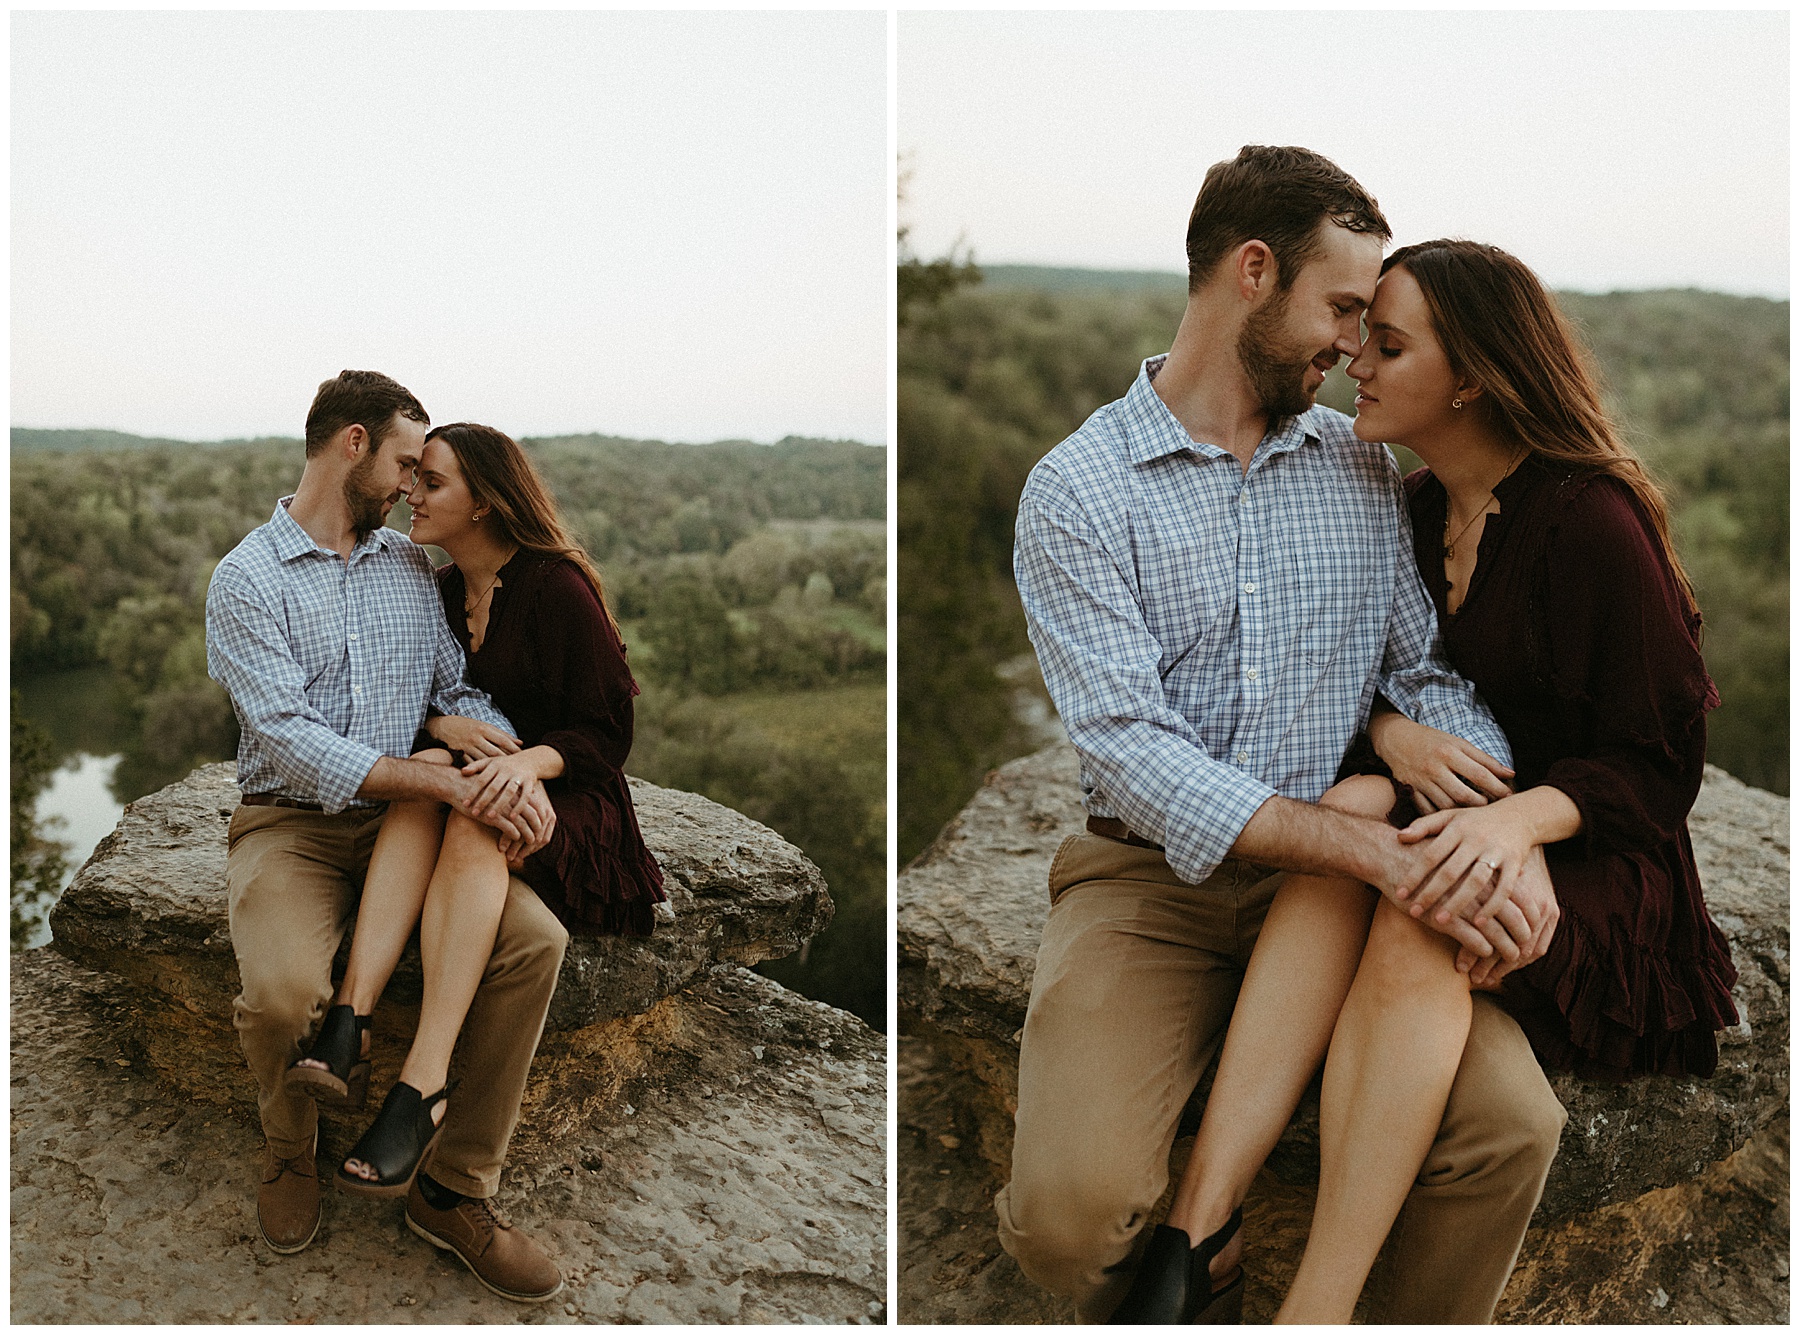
<point x="1174" y="1287"/>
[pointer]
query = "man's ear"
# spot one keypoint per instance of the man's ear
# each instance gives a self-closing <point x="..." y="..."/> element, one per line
<point x="1254" y="265"/>
<point x="356" y="440"/>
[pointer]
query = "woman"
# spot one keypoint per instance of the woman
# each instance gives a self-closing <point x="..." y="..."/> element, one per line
<point x="527" y="606"/>
<point x="1545" y="545"/>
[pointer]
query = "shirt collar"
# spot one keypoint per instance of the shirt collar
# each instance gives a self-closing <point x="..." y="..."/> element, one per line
<point x="1152" y="431"/>
<point x="291" y="540"/>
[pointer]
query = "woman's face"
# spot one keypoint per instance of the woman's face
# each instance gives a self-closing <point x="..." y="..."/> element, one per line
<point x="442" y="506"/>
<point x="1404" y="381"/>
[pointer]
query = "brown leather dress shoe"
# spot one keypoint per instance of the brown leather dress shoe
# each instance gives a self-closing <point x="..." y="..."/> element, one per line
<point x="497" y="1254"/>
<point x="287" y="1202"/>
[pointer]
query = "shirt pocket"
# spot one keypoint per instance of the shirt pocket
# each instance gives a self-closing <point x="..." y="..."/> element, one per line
<point x="1332" y="586"/>
<point x="315" y="628"/>
<point x="1188" y="597"/>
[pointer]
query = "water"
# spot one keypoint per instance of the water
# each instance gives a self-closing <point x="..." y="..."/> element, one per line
<point x="89" y="726"/>
<point x="79" y="794"/>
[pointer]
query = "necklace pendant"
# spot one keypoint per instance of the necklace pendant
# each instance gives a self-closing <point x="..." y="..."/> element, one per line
<point x="1450" y="552"/>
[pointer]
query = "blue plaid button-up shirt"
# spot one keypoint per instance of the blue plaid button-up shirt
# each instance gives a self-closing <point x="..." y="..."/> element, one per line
<point x="1214" y="636"/>
<point x="330" y="663"/>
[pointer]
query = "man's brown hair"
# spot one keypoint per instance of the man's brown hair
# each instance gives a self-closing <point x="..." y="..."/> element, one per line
<point x="359" y="398"/>
<point x="1277" y="196"/>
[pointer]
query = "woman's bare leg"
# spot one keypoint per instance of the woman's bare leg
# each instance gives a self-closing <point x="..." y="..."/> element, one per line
<point x="457" y="928"/>
<point x="1393" y="1056"/>
<point x="400" y="866"/>
<point x="1305" y="958"/>
<point x="456" y="939"/>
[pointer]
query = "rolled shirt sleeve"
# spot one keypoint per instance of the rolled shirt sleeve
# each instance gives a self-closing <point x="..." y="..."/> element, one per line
<point x="247" y="653"/>
<point x="1101" y="665"/>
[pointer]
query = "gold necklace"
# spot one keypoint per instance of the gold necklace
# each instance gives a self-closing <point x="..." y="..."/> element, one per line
<point x="469" y="607"/>
<point x="1450" y="543"/>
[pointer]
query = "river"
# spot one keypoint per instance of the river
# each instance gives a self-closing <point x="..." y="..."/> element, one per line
<point x="89" y="728"/>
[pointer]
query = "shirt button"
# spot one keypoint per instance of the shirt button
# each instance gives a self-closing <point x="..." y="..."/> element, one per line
<point x="1251" y="674"/>
<point x="1242" y="756"/>
<point x="352" y="635"/>
<point x="356" y="690"/>
<point x="1250" y="588"/>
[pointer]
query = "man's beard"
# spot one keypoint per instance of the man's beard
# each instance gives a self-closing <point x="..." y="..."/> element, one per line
<point x="367" y="512"/>
<point x="1277" y="372"/>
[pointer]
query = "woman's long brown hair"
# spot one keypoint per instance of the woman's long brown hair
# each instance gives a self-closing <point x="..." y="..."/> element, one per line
<point x="1502" y="331"/>
<point x="501" y="477"/>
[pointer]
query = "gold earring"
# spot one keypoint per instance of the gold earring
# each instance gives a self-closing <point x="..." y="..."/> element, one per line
<point x="477" y="519"/>
<point x="1456" y="403"/>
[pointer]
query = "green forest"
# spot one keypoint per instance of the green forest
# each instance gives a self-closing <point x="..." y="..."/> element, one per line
<point x="750" y="581"/>
<point x="998" y="365"/>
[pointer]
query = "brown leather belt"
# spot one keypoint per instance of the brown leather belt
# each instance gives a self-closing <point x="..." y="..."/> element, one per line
<point x="1109" y="827"/>
<point x="275" y="800"/>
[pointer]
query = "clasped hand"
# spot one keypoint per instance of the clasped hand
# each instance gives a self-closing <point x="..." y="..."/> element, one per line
<point x="1481" y="879"/>
<point x="505" y="792"/>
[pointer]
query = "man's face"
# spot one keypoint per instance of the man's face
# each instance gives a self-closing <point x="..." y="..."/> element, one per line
<point x="1296" y="335"/>
<point x="383" y="476"/>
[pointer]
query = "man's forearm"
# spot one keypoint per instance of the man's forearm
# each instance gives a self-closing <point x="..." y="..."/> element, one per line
<point x="1298" y="836"/>
<point x="392" y="778"/>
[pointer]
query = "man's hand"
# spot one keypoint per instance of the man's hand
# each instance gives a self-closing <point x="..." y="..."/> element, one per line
<point x="1534" y="900"/>
<point x="535" y="808"/>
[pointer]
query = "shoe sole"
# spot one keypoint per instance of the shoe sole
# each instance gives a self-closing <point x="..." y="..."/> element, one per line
<point x="361" y="1186"/>
<point x="486" y="1283"/>
<point x="276" y="1247"/>
<point x="326" y="1090"/>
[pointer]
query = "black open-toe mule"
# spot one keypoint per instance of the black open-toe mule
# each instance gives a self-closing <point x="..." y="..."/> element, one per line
<point x="1175" y="1287"/>
<point x="397" y="1142"/>
<point x="345" y="1084"/>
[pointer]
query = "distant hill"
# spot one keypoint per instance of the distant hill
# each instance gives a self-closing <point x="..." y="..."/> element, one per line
<point x="35" y="440"/>
<point x="1045" y="278"/>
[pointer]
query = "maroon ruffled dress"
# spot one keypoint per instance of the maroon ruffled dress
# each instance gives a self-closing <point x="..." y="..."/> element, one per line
<point x="555" y="666"/>
<point x="1574" y="632"/>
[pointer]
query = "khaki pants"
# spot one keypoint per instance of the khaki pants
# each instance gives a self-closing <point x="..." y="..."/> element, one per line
<point x="294" y="876"/>
<point x="1136" y="978"/>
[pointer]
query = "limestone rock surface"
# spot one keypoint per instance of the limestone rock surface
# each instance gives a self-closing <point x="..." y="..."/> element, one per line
<point x="736" y="1175"/>
<point x="971" y="909"/>
<point x="149" y="905"/>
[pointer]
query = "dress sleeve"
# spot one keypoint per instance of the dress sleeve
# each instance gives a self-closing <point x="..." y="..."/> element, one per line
<point x="1624" y="660"/>
<point x="584" y="665"/>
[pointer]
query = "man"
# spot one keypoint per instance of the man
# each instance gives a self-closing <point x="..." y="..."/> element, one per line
<point x="327" y="630"/>
<point x="1218" y="579"/>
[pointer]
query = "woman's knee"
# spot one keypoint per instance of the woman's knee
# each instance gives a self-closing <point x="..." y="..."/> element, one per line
<point x="1405" y="957"/>
<point x="467" y="840"/>
<point x="1361" y="795"/>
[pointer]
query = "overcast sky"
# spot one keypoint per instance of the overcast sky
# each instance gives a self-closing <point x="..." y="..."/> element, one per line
<point x="1606" y="149"/>
<point x="657" y="225"/>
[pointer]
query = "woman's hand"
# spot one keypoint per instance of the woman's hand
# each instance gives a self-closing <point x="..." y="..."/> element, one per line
<point x="1481" y="853"/>
<point x="501" y="782"/>
<point x="473" y="738"/>
<point x="1443" y="771"/>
